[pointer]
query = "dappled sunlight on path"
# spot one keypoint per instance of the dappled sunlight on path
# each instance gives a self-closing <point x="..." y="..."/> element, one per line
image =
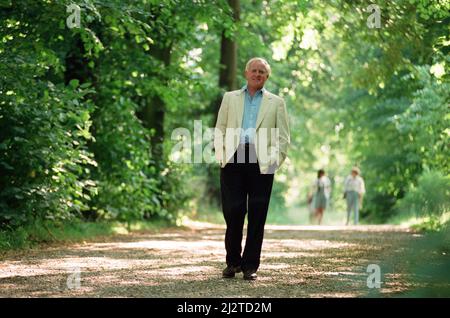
<point x="297" y="261"/>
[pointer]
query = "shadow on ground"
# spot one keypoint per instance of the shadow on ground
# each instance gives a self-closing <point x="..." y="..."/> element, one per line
<point x="297" y="261"/>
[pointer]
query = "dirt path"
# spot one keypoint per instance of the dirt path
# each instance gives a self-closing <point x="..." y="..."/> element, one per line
<point x="297" y="261"/>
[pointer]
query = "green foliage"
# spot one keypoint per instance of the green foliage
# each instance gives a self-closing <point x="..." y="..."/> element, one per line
<point x="45" y="162"/>
<point x="426" y="119"/>
<point x="431" y="196"/>
<point x="430" y="224"/>
<point x="127" y="188"/>
<point x="432" y="274"/>
<point x="75" y="140"/>
<point x="50" y="232"/>
<point x="392" y="89"/>
<point x="71" y="142"/>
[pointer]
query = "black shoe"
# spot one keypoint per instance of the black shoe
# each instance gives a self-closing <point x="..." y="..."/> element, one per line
<point x="250" y="274"/>
<point x="230" y="271"/>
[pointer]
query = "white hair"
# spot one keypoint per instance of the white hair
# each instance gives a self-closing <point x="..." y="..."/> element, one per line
<point x="260" y="59"/>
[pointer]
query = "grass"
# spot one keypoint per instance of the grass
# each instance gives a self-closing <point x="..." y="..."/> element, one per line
<point x="205" y="212"/>
<point x="429" y="223"/>
<point x="295" y="215"/>
<point x="300" y="215"/>
<point x="41" y="232"/>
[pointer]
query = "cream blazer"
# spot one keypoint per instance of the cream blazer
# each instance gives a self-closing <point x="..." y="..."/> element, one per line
<point x="272" y="135"/>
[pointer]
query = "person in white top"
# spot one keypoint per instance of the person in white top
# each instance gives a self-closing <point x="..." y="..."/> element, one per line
<point x="320" y="195"/>
<point x="354" y="191"/>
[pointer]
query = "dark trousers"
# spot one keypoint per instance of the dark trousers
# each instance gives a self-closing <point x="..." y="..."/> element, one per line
<point x="244" y="190"/>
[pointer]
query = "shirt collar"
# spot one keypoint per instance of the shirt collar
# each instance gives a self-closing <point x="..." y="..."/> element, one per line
<point x="260" y="91"/>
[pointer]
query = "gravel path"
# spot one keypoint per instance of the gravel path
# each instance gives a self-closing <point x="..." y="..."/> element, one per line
<point x="297" y="261"/>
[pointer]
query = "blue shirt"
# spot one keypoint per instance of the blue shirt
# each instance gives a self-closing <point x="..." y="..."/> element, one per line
<point x="251" y="109"/>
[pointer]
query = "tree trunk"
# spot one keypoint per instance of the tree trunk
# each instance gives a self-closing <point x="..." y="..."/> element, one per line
<point x="227" y="81"/>
<point x="153" y="110"/>
<point x="228" y="54"/>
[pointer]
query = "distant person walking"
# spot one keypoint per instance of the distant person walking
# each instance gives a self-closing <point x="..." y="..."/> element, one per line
<point x="354" y="191"/>
<point x="320" y="195"/>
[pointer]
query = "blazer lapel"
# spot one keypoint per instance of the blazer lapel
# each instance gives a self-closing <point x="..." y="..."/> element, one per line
<point x="265" y="104"/>
<point x="240" y="107"/>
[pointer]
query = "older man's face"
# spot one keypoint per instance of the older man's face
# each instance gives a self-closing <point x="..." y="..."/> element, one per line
<point x="256" y="75"/>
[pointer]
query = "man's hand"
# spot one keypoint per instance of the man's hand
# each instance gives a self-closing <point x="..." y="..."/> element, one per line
<point x="272" y="168"/>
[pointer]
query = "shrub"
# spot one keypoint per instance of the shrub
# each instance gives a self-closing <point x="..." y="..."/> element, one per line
<point x="430" y="197"/>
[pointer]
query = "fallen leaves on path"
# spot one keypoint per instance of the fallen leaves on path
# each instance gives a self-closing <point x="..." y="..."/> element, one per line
<point x="297" y="261"/>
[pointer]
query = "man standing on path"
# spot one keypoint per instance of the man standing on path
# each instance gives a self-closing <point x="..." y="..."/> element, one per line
<point x="251" y="141"/>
